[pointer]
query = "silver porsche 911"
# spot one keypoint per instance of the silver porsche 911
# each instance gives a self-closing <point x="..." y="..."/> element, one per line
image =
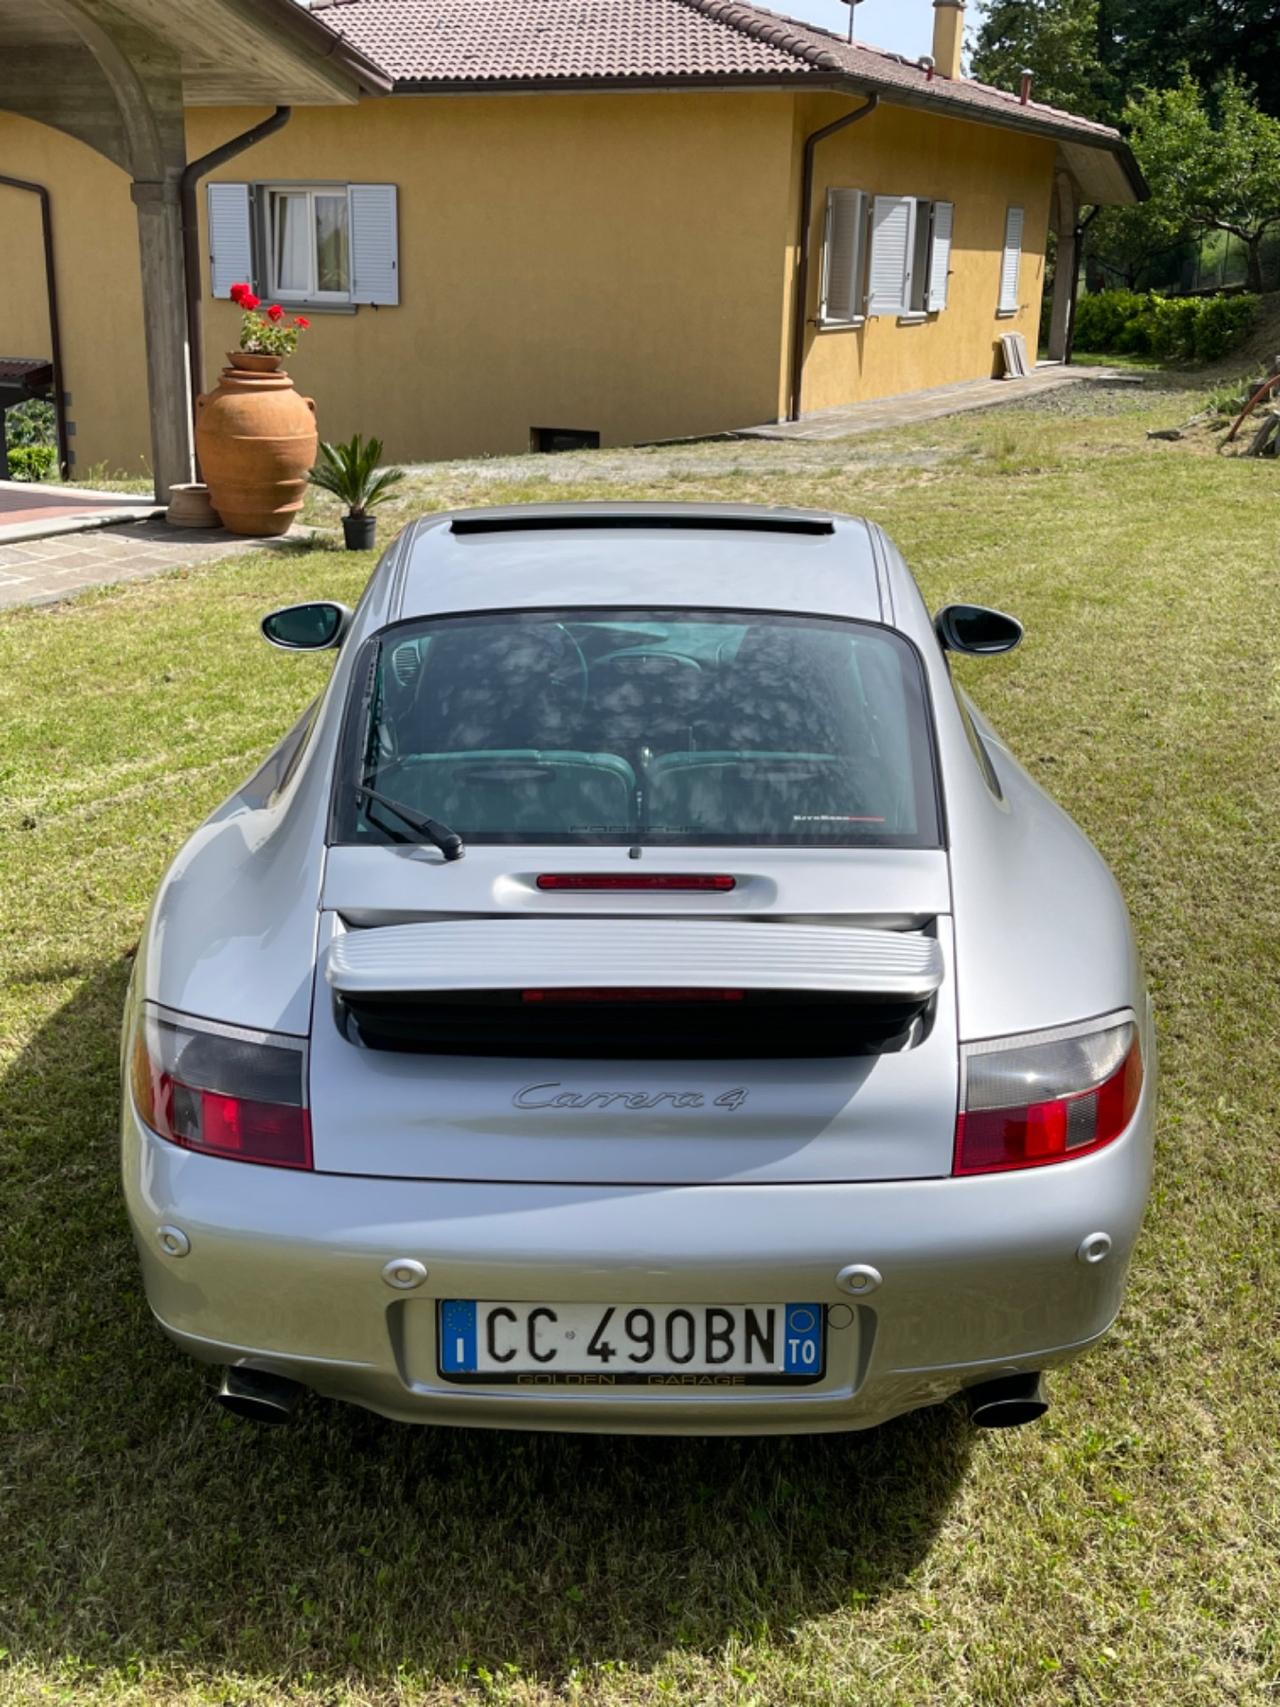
<point x="640" y="994"/>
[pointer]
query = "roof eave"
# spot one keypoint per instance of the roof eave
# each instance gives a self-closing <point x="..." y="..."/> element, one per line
<point x="326" y="43"/>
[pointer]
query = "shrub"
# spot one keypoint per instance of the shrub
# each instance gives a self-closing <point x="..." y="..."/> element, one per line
<point x="1102" y="316"/>
<point x="1224" y="324"/>
<point x="1171" y="328"/>
<point x="31" y="462"/>
<point x="31" y="423"/>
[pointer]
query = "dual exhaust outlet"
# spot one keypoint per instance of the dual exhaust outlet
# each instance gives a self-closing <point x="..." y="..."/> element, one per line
<point x="258" y="1396"/>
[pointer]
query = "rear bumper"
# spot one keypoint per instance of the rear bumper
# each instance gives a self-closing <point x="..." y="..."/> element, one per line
<point x="979" y="1276"/>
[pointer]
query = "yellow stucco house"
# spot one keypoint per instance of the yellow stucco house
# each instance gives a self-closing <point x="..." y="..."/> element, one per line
<point x="553" y="222"/>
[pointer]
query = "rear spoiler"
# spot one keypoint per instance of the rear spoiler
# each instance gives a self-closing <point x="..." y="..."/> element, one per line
<point x="476" y="955"/>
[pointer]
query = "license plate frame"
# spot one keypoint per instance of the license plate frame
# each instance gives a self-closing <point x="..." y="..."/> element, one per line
<point x="460" y="1323"/>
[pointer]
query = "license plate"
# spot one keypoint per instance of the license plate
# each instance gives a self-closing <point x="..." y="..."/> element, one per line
<point x="631" y="1344"/>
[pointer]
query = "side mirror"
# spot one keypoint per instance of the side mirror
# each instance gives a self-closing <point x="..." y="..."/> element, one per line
<point x="976" y="630"/>
<point x="307" y="628"/>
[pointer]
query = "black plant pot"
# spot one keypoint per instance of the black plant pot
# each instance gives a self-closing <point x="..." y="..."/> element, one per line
<point x="358" y="531"/>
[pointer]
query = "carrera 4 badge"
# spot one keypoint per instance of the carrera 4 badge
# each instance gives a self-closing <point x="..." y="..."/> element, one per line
<point x="552" y="1094"/>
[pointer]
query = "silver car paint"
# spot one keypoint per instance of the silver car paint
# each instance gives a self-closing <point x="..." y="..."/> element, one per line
<point x="801" y="1120"/>
<point x="981" y="1273"/>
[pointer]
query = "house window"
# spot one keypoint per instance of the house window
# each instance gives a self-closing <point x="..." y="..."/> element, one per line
<point x="323" y="245"/>
<point x="308" y="244"/>
<point x="910" y="256"/>
<point x="1011" y="261"/>
<point x="843" y="299"/>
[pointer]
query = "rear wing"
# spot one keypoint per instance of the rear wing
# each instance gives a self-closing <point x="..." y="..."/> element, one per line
<point x="477" y="955"/>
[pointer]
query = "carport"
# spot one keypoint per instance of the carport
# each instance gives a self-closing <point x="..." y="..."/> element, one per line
<point x="118" y="76"/>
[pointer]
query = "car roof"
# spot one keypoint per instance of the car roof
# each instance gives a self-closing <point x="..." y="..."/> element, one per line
<point x="638" y="555"/>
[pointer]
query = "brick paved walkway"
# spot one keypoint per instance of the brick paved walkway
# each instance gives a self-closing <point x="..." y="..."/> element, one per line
<point x="889" y="412"/>
<point x="39" y="571"/>
<point x="30" y="509"/>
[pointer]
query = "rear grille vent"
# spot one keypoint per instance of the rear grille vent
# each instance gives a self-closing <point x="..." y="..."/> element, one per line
<point x="757" y="1024"/>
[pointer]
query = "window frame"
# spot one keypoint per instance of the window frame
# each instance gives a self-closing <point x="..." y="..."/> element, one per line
<point x="931" y="806"/>
<point x="268" y="192"/>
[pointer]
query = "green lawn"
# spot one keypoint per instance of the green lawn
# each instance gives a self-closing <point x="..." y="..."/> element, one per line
<point x="1125" y="1551"/>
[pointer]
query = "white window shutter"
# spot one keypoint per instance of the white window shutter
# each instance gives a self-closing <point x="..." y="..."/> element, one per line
<point x="940" y="255"/>
<point x="892" y="234"/>
<point x="375" y="244"/>
<point x="1011" y="263"/>
<point x="230" y="237"/>
<point x="842" y="258"/>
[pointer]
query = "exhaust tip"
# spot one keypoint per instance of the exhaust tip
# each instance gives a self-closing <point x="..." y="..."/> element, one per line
<point x="1010" y="1402"/>
<point x="258" y="1396"/>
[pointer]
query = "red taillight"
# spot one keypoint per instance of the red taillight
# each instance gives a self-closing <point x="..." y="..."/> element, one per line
<point x="222" y="1092"/>
<point x="635" y="882"/>
<point x="1030" y="1101"/>
<point x="630" y="995"/>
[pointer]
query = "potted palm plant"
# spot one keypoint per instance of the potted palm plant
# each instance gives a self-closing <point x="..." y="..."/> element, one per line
<point x="352" y="474"/>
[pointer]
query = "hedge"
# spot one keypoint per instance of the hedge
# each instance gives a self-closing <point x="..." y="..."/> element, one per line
<point x="1171" y="328"/>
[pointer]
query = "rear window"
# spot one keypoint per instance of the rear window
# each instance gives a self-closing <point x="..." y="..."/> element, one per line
<point x="655" y="727"/>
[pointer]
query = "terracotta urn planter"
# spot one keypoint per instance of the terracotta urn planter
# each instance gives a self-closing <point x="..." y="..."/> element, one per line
<point x="256" y="440"/>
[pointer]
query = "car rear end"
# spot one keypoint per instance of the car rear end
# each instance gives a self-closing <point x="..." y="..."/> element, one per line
<point x="654" y="1112"/>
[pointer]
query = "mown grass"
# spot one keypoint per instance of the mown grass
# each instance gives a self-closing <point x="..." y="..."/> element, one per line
<point x="1124" y="1551"/>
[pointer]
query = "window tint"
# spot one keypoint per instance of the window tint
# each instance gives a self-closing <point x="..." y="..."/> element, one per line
<point x="643" y="726"/>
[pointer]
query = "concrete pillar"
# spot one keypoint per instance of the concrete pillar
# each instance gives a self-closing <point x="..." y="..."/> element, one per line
<point x="1066" y="219"/>
<point x="165" y="306"/>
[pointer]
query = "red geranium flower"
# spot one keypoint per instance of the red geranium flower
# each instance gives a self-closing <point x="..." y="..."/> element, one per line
<point x="249" y="301"/>
<point x="239" y="292"/>
<point x="275" y="314"/>
<point x="302" y="323"/>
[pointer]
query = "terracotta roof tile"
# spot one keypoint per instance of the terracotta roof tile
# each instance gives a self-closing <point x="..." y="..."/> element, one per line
<point x="425" y="43"/>
<point x="448" y="41"/>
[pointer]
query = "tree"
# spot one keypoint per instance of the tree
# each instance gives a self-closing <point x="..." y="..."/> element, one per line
<point x="1146" y="43"/>
<point x="1125" y="241"/>
<point x="1213" y="164"/>
<point x="1087" y="54"/>
<point x="1058" y="40"/>
<point x="1236" y="170"/>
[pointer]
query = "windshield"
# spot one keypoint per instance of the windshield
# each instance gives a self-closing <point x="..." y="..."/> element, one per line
<point x="658" y="727"/>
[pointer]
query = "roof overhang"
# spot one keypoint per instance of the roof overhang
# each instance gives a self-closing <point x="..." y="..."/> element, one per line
<point x="228" y="52"/>
<point x="1105" y="169"/>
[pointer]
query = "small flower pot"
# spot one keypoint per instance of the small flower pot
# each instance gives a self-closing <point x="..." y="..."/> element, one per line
<point x="247" y="362"/>
<point x="359" y="531"/>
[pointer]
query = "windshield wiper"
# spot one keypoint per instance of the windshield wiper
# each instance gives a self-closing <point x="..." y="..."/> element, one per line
<point x="448" y="841"/>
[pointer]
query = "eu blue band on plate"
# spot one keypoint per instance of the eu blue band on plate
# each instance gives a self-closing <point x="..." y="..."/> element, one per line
<point x="458" y="1336"/>
<point x="802" y="1340"/>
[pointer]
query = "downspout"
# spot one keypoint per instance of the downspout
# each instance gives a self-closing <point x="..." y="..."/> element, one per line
<point x="55" y="328"/>
<point x="1075" y="285"/>
<point x="800" y="305"/>
<point x="191" y="176"/>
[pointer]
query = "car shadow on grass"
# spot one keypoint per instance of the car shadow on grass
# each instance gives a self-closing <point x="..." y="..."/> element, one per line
<point x="154" y="1531"/>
